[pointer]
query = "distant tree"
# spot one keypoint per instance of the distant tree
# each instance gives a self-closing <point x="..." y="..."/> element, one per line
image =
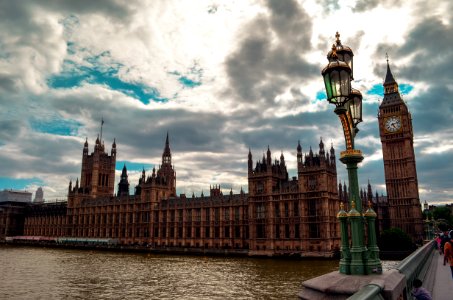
<point x="394" y="239"/>
<point x="442" y="224"/>
<point x="444" y="213"/>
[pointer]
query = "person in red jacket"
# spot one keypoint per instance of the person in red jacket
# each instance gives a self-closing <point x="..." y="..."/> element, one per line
<point x="448" y="251"/>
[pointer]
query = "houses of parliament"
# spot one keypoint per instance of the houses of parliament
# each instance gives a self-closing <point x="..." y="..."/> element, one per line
<point x="278" y="216"/>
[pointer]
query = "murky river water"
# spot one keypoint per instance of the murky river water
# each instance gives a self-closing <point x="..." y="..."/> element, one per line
<point x="40" y="273"/>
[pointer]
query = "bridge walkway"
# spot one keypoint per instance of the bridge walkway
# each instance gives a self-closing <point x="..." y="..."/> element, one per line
<point x="439" y="280"/>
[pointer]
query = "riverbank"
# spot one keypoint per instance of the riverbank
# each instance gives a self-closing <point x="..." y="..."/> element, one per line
<point x="114" y="247"/>
<point x="160" y="250"/>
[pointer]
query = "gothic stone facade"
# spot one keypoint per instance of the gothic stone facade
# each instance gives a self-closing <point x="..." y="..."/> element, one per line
<point x="279" y="215"/>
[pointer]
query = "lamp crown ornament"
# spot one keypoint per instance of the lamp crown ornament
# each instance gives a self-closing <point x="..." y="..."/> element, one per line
<point x="342" y="53"/>
<point x="370" y="212"/>
<point x="334" y="52"/>
<point x="353" y="212"/>
<point x="342" y="213"/>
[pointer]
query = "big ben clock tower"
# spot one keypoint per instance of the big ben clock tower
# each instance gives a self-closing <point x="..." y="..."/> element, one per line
<point x="397" y="138"/>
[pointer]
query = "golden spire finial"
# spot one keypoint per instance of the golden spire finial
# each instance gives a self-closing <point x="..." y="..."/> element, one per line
<point x="337" y="36"/>
<point x="341" y="206"/>
<point x="369" y="204"/>
<point x="353" y="204"/>
<point x="334" y="51"/>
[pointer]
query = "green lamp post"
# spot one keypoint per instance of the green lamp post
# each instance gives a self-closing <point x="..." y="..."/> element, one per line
<point x="356" y="258"/>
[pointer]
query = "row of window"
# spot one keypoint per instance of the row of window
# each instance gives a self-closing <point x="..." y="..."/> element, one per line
<point x="285" y="232"/>
<point x="178" y="215"/>
<point x="260" y="209"/>
<point x="180" y="232"/>
<point x="173" y="232"/>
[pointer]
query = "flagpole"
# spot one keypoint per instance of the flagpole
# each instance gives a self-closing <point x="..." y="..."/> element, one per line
<point x="102" y="123"/>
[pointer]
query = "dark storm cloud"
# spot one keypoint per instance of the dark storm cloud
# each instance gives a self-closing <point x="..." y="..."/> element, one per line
<point x="268" y="59"/>
<point x="364" y="5"/>
<point x="426" y="107"/>
<point x="431" y="166"/>
<point x="372" y="171"/>
<point x="13" y="13"/>
<point x="429" y="43"/>
<point x="10" y="130"/>
<point x="289" y="21"/>
<point x="40" y="154"/>
<point x="283" y="133"/>
<point x="214" y="164"/>
<point x="112" y="8"/>
<point x="146" y="130"/>
<point x="7" y="84"/>
<point x="20" y="11"/>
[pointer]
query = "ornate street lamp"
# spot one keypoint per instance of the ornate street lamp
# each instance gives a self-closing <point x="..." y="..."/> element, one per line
<point x="355" y="107"/>
<point x="356" y="258"/>
<point x="337" y="79"/>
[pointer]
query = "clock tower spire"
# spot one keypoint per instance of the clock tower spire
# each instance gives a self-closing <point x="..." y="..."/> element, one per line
<point x="397" y="138"/>
<point x="390" y="85"/>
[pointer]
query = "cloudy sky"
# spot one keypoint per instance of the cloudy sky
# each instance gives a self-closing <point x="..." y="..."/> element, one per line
<point x="221" y="77"/>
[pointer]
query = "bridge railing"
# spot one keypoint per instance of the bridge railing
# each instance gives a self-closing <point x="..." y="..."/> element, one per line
<point x="368" y="292"/>
<point x="414" y="266"/>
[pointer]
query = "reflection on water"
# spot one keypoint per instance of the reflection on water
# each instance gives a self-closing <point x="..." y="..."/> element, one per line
<point x="31" y="273"/>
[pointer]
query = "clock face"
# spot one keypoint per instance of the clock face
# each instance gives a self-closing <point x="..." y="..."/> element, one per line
<point x="392" y="124"/>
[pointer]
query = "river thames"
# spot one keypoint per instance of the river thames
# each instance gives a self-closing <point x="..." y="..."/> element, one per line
<point x="44" y="273"/>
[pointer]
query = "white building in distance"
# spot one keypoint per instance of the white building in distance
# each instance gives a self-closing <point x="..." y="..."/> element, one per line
<point x="15" y="195"/>
<point x="39" y="196"/>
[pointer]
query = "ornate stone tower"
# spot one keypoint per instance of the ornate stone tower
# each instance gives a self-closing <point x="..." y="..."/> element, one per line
<point x="318" y="188"/>
<point x="98" y="171"/>
<point x="162" y="183"/>
<point x="298" y="213"/>
<point x="265" y="181"/>
<point x="397" y="138"/>
<point x="267" y="176"/>
<point x="123" y="185"/>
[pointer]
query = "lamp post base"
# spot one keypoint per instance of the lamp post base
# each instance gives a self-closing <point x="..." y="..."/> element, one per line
<point x="373" y="267"/>
<point x="358" y="251"/>
<point x="345" y="266"/>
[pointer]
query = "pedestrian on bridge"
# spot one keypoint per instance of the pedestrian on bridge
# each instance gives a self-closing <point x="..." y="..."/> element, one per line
<point x="448" y="251"/>
<point x="438" y="241"/>
<point x="443" y="239"/>
<point x="420" y="293"/>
